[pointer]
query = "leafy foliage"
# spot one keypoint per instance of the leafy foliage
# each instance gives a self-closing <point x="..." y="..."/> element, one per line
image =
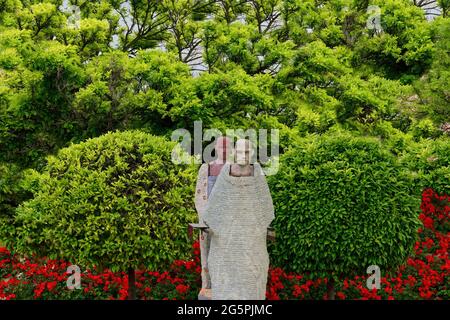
<point x="116" y="201"/>
<point x="343" y="203"/>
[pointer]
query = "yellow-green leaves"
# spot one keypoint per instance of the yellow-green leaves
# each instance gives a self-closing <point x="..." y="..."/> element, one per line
<point x="116" y="201"/>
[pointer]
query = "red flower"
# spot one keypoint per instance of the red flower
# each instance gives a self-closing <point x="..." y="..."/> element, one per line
<point x="297" y="291"/>
<point x="190" y="265"/>
<point x="340" y="295"/>
<point x="51" y="285"/>
<point x="182" y="289"/>
<point x="346" y="284"/>
<point x="39" y="290"/>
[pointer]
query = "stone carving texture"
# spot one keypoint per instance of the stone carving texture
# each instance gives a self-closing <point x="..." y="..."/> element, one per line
<point x="201" y="199"/>
<point x="238" y="213"/>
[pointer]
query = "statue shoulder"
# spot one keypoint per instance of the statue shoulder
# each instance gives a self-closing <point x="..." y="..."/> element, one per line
<point x="203" y="167"/>
<point x="257" y="170"/>
<point x="203" y="171"/>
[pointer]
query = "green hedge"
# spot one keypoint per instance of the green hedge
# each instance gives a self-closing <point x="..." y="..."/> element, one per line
<point x="116" y="201"/>
<point x="12" y="193"/>
<point x="342" y="203"/>
<point x="429" y="161"/>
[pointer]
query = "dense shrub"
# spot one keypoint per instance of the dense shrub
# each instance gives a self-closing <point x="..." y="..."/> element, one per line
<point x="116" y="201"/>
<point x="342" y="203"/>
<point x="11" y="192"/>
<point x="429" y="160"/>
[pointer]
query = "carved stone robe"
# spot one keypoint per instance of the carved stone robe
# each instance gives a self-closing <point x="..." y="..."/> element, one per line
<point x="238" y="213"/>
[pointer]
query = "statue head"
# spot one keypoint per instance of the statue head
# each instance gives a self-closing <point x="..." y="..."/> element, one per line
<point x="244" y="151"/>
<point x="223" y="148"/>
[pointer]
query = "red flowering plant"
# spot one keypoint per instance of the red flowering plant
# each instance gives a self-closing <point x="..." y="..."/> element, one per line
<point x="282" y="286"/>
<point x="23" y="278"/>
<point x="181" y="281"/>
<point x="435" y="211"/>
<point x="5" y="263"/>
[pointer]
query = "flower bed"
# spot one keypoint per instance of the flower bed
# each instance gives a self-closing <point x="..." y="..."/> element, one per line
<point x="424" y="276"/>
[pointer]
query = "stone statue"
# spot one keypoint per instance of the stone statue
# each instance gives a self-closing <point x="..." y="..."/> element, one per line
<point x="238" y="213"/>
<point x="207" y="176"/>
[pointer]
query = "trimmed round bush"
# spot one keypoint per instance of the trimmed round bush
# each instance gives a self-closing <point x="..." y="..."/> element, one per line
<point x="116" y="201"/>
<point x="342" y="203"/>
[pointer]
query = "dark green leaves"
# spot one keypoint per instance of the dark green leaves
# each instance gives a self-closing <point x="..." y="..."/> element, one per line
<point x="342" y="204"/>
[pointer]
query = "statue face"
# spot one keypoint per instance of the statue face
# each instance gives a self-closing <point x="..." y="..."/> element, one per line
<point x="244" y="152"/>
<point x="223" y="148"/>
